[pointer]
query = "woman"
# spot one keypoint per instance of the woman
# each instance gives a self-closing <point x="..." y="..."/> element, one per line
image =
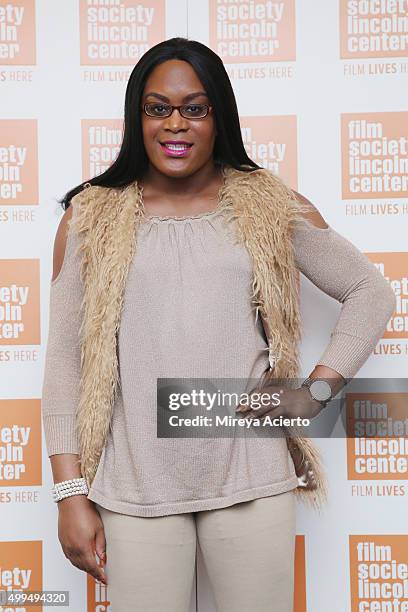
<point x="186" y="311"/>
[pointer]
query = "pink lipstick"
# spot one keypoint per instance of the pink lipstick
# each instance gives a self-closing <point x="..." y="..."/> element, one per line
<point x="176" y="148"/>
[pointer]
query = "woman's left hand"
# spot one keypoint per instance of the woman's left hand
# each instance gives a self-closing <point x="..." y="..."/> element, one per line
<point x="293" y="403"/>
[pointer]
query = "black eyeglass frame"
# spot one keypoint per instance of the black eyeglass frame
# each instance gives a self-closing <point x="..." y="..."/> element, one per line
<point x="179" y="107"/>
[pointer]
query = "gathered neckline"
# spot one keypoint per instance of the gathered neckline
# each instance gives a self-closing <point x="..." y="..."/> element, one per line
<point x="203" y="215"/>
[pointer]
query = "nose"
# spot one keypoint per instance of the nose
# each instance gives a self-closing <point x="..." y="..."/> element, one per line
<point x="175" y="120"/>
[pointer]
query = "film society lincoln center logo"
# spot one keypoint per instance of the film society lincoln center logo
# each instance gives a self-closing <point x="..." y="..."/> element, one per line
<point x="262" y="31"/>
<point x="101" y="142"/>
<point x="19" y="306"/>
<point x="377" y="436"/>
<point x="379" y="572"/>
<point x="373" y="28"/>
<point x="17" y="33"/>
<point x="119" y="32"/>
<point x="18" y="162"/>
<point x="374" y="155"/>
<point x="272" y="143"/>
<point x="20" y="448"/>
<point x="21" y="570"/>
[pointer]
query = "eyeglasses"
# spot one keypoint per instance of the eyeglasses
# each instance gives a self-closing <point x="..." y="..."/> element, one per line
<point x="188" y="111"/>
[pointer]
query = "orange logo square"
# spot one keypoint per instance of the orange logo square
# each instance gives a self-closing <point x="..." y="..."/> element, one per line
<point x="374" y="155"/>
<point x="378" y="572"/>
<point x="101" y="141"/>
<point x="20" y="301"/>
<point x="20" y="443"/>
<point x="276" y="152"/>
<point x="253" y="32"/>
<point x="21" y="569"/>
<point x="17" y="33"/>
<point x="118" y="33"/>
<point x="19" y="161"/>
<point x="372" y="29"/>
<point x="377" y="443"/>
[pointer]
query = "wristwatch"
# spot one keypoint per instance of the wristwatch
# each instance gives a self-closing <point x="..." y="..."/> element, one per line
<point x="319" y="389"/>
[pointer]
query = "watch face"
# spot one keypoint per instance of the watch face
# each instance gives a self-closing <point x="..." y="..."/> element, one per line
<point x="321" y="390"/>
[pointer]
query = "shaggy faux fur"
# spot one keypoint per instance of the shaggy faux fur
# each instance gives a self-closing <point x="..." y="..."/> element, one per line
<point x="264" y="209"/>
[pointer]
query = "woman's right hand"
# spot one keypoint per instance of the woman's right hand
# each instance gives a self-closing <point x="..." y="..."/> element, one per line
<point x="81" y="534"/>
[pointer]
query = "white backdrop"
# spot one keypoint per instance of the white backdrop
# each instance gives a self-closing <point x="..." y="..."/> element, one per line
<point x="319" y="85"/>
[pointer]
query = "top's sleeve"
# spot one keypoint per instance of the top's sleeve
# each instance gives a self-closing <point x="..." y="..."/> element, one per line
<point x="337" y="267"/>
<point x="60" y="391"/>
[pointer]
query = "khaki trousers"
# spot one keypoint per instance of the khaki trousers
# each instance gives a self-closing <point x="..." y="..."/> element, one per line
<point x="248" y="550"/>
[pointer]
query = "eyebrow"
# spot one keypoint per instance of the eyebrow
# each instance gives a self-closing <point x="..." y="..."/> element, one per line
<point x="185" y="99"/>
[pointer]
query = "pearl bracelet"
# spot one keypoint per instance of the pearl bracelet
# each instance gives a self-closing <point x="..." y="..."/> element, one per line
<point x="66" y="488"/>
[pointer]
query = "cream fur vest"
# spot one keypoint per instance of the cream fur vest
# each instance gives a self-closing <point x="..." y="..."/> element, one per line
<point x="107" y="220"/>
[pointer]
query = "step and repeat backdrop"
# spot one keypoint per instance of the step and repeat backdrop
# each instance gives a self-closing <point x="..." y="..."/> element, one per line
<point x="322" y="89"/>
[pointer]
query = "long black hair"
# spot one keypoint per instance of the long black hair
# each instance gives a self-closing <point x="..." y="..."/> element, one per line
<point x="132" y="161"/>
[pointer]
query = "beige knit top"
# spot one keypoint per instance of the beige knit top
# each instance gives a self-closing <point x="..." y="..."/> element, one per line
<point x="187" y="313"/>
